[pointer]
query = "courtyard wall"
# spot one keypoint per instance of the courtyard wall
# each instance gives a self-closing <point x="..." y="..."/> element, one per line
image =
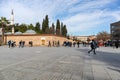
<point x="37" y="39"/>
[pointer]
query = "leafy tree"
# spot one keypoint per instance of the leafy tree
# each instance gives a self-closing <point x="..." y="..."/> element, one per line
<point x="16" y="27"/>
<point x="60" y="29"/>
<point x="23" y="28"/>
<point x="103" y="36"/>
<point x="5" y="24"/>
<point x="3" y="20"/>
<point x="30" y="27"/>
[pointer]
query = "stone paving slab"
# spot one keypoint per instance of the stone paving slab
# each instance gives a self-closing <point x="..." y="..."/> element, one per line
<point x="59" y="63"/>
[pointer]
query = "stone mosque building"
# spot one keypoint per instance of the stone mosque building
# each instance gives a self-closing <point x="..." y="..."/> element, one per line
<point x="30" y="35"/>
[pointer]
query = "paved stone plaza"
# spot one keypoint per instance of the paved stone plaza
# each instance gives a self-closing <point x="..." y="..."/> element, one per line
<point x="63" y="63"/>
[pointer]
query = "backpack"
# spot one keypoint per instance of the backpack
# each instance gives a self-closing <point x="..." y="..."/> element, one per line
<point x="93" y="44"/>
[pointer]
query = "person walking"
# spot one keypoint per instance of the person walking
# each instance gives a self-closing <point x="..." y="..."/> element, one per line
<point x="78" y="43"/>
<point x="53" y="44"/>
<point x="93" y="46"/>
<point x="117" y="43"/>
<point x="74" y="43"/>
<point x="58" y="43"/>
<point x="9" y="43"/>
<point x="49" y="44"/>
<point x="20" y="44"/>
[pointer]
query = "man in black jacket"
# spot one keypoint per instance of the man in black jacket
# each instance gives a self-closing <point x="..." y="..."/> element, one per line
<point x="93" y="46"/>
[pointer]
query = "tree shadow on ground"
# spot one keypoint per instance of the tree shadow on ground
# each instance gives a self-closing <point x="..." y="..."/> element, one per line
<point x="112" y="59"/>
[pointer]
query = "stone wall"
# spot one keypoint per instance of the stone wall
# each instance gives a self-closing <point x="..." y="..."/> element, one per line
<point x="35" y="38"/>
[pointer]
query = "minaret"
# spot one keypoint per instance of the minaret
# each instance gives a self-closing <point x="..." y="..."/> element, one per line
<point x="12" y="21"/>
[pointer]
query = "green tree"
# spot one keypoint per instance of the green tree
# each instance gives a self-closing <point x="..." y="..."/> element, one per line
<point x="47" y="30"/>
<point x="37" y="27"/>
<point x="46" y="24"/>
<point x="50" y="30"/>
<point x="5" y="24"/>
<point x="53" y="28"/>
<point x="30" y="27"/>
<point x="58" y="27"/>
<point x="23" y="28"/>
<point x="43" y="26"/>
<point x="62" y="27"/>
<point x="16" y="27"/>
<point x="64" y="31"/>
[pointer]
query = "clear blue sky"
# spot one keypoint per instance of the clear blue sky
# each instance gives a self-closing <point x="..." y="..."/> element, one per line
<point x="82" y="17"/>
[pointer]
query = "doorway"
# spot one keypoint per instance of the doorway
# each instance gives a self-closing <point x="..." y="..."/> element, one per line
<point x="43" y="42"/>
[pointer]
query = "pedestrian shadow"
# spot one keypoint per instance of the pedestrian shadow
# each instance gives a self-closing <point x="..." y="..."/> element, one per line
<point x="112" y="59"/>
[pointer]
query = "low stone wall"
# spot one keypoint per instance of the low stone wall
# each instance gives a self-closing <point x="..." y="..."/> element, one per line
<point x="38" y="40"/>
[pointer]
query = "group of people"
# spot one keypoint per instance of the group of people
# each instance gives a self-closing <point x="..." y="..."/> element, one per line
<point x="114" y="43"/>
<point x="30" y="43"/>
<point x="70" y="44"/>
<point x="54" y="43"/>
<point x="21" y="44"/>
<point x="11" y="43"/>
<point x="93" y="44"/>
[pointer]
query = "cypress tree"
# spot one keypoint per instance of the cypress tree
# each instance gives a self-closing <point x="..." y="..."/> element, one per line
<point x="37" y="27"/>
<point x="46" y="24"/>
<point x="58" y="27"/>
<point x="43" y="26"/>
<point x="61" y="29"/>
<point x="53" y="28"/>
<point x="64" y="31"/>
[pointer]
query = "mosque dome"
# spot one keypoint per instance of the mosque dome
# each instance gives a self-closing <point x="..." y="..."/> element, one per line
<point x="8" y="33"/>
<point x="30" y="32"/>
<point x="18" y="33"/>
